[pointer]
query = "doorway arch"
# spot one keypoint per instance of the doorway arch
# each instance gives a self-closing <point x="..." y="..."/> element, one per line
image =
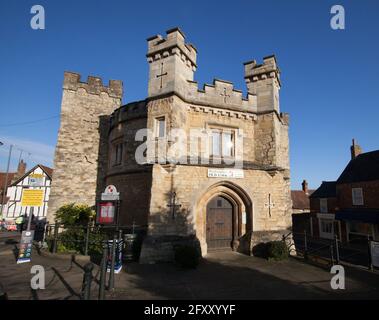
<point x="242" y="212"/>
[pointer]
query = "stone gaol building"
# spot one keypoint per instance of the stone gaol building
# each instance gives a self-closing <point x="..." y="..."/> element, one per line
<point x="223" y="179"/>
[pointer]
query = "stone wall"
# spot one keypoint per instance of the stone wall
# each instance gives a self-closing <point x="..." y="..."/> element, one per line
<point x="81" y="151"/>
<point x="191" y="184"/>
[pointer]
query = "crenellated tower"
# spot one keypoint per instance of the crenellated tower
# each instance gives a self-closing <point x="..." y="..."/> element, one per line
<point x="263" y="80"/>
<point x="172" y="63"/>
<point x="82" y="147"/>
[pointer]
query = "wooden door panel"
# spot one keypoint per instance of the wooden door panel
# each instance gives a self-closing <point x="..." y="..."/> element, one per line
<point x="219" y="223"/>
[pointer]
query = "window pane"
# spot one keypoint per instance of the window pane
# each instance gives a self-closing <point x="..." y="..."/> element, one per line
<point x="323" y="205"/>
<point x="357" y="196"/>
<point x="161" y="127"/>
<point x="227" y="144"/>
<point x="118" y="157"/>
<point x="216" y="143"/>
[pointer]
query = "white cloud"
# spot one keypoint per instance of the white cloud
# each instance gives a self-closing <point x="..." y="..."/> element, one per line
<point x="40" y="153"/>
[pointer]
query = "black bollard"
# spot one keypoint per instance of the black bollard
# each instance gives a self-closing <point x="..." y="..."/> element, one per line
<point x="103" y="272"/>
<point x="87" y="280"/>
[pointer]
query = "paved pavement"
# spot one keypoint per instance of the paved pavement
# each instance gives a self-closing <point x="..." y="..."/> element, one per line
<point x="222" y="275"/>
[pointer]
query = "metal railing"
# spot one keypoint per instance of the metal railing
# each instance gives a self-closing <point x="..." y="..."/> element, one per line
<point x="85" y="235"/>
<point x="333" y="251"/>
<point x="82" y="238"/>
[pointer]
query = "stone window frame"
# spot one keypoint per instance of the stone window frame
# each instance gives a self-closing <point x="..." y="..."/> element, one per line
<point x="157" y="121"/>
<point x="210" y="126"/>
<point x="116" y="144"/>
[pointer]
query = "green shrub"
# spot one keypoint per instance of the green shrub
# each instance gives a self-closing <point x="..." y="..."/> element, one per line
<point x="277" y="250"/>
<point x="187" y="256"/>
<point x="75" y="214"/>
<point x="74" y="219"/>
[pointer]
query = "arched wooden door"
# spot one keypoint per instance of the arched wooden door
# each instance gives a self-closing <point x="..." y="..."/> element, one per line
<point x="219" y="223"/>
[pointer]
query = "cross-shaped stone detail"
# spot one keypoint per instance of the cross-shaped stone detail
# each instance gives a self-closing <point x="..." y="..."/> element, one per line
<point x="173" y="206"/>
<point x="269" y="204"/>
<point x="161" y="75"/>
<point x="224" y="95"/>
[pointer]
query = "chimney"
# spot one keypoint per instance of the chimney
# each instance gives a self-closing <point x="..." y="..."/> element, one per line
<point x="355" y="149"/>
<point x="21" y="169"/>
<point x="304" y="185"/>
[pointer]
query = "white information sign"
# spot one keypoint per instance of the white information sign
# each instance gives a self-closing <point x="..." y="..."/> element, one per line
<point x="110" y="193"/>
<point x="225" y="173"/>
<point x="36" y="180"/>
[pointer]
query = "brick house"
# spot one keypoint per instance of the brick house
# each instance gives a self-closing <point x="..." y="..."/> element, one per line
<point x="301" y="208"/>
<point x="349" y="207"/>
<point x="300" y="199"/>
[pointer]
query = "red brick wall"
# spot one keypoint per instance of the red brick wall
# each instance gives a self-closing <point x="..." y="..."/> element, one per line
<point x="370" y="194"/>
<point x="315" y="205"/>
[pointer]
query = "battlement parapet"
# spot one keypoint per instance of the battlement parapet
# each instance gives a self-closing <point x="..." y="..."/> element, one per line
<point x="130" y="111"/>
<point x="173" y="44"/>
<point x="221" y="94"/>
<point x="94" y="85"/>
<point x="255" y="72"/>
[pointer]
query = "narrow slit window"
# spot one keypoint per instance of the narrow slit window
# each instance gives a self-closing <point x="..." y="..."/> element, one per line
<point x="161" y="127"/>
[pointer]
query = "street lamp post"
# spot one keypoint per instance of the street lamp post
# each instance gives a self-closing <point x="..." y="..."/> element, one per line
<point x="6" y="179"/>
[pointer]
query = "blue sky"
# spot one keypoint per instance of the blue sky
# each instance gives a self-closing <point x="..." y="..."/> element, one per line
<point x="329" y="78"/>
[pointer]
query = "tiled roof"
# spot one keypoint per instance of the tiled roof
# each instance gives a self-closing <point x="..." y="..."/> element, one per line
<point x="300" y="200"/>
<point x="326" y="190"/>
<point x="365" y="167"/>
<point x="48" y="170"/>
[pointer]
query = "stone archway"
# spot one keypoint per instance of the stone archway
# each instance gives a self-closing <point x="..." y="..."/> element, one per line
<point x="242" y="212"/>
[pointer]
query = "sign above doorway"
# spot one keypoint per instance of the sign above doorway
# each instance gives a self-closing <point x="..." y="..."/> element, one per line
<point x="225" y="173"/>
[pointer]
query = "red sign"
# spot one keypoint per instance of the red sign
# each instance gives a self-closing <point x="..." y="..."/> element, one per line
<point x="106" y="212"/>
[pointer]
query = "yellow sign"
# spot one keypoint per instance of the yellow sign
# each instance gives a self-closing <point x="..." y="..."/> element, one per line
<point x="32" y="197"/>
<point x="36" y="175"/>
